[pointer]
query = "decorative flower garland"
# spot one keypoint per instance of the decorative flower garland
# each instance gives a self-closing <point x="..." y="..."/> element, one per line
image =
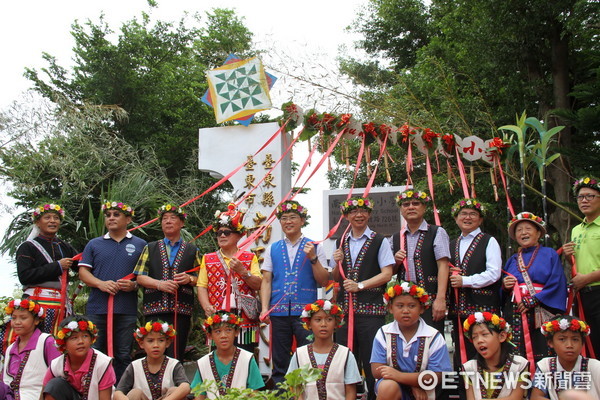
<point x="325" y="305"/>
<point x="154" y="326"/>
<point x="165" y="208"/>
<point x="25" y="304"/>
<point x="587" y="181"/>
<point x="409" y="288"/>
<point x="468" y="203"/>
<point x="79" y="324"/>
<point x="221" y="317"/>
<point x="42" y="209"/>
<point x="410" y="194"/>
<point x="527" y="216"/>
<point x="356" y="202"/>
<point x="113" y="205"/>
<point x="497" y="144"/>
<point x="231" y="218"/>
<point x="493" y="321"/>
<point x="564" y="323"/>
<point x="292" y="206"/>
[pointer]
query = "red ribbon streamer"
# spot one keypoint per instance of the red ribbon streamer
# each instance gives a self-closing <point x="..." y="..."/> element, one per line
<point x="508" y="202"/>
<point x="110" y="320"/>
<point x="461" y="333"/>
<point x="462" y="174"/>
<point x="436" y="214"/>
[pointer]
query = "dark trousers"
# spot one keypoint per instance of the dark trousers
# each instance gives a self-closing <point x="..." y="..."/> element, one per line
<point x="283" y="329"/>
<point x="591" y="309"/>
<point x="183" y="330"/>
<point x="365" y="329"/>
<point x="60" y="389"/>
<point x="123" y="328"/>
<point x="428" y="318"/>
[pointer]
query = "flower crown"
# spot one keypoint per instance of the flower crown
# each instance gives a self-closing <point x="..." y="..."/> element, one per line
<point x="493" y="321"/>
<point x="395" y="289"/>
<point x="25" y="304"/>
<point x="165" y="208"/>
<point x="564" y="323"/>
<point x="422" y="196"/>
<point x="325" y="305"/>
<point x="356" y="202"/>
<point x="231" y="218"/>
<point x="468" y="203"/>
<point x="587" y="181"/>
<point x="42" y="209"/>
<point x="221" y="317"/>
<point x="527" y="216"/>
<point x="77" y="323"/>
<point x="154" y="326"/>
<point x="292" y="206"/>
<point x="124" y="208"/>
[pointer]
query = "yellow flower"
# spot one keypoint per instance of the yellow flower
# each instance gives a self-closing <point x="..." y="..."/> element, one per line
<point x="294" y="206"/>
<point x="60" y="335"/>
<point x="420" y="291"/>
<point x="409" y="194"/>
<point x="57" y="207"/>
<point x="209" y="321"/>
<point x="314" y="307"/>
<point x="168" y="207"/>
<point x="586" y="180"/>
<point x="90" y="326"/>
<point x="31" y="305"/>
<point x="148" y="326"/>
<point x="361" y="202"/>
<point x="423" y="195"/>
<point x="495" y="319"/>
<point x="391" y="292"/>
<point x="583" y="325"/>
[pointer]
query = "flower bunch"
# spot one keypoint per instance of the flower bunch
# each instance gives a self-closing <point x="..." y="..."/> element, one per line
<point x="76" y="323"/>
<point x="232" y="219"/>
<point x="468" y="203"/>
<point x="344" y="120"/>
<point x="406" y="288"/>
<point x="587" y="181"/>
<point x="356" y="202"/>
<point x="493" y="321"/>
<point x="525" y="216"/>
<point x="221" y="317"/>
<point x="113" y="205"/>
<point x="564" y="323"/>
<point x="429" y="137"/>
<point x="292" y="206"/>
<point x="330" y="308"/>
<point x="154" y="326"/>
<point x="497" y="144"/>
<point x="25" y="304"/>
<point x="292" y="114"/>
<point x="165" y="208"/>
<point x="410" y="194"/>
<point x="449" y="143"/>
<point x="42" y="209"/>
<point x="407" y="131"/>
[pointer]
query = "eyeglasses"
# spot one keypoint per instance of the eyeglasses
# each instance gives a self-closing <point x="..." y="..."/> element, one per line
<point x="473" y="214"/>
<point x="225" y="233"/>
<point x="358" y="211"/>
<point x="588" y="197"/>
<point x="290" y="219"/>
<point x="414" y="203"/>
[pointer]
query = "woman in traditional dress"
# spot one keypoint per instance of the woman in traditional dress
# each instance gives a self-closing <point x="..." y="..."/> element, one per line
<point x="41" y="260"/>
<point x="538" y="275"/>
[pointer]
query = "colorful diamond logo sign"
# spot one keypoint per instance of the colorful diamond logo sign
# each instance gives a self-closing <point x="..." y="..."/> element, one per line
<point x="238" y="89"/>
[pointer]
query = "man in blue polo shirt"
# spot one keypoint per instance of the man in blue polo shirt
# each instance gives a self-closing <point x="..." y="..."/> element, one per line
<point x="106" y="260"/>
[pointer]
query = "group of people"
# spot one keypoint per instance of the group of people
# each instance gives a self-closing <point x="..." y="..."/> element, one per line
<point x="418" y="276"/>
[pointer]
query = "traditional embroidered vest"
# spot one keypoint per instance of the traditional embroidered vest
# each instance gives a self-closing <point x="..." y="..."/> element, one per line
<point x="424" y="260"/>
<point x="294" y="280"/>
<point x="366" y="265"/>
<point x="155" y="301"/>
<point x="331" y="386"/>
<point x="238" y="378"/>
<point x="590" y="366"/>
<point x="140" y="378"/>
<point x="517" y="365"/>
<point x="27" y="384"/>
<point x="471" y="300"/>
<point x="100" y="363"/>
<point x="218" y="280"/>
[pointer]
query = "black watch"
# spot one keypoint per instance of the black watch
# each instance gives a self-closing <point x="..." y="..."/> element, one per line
<point x="314" y="260"/>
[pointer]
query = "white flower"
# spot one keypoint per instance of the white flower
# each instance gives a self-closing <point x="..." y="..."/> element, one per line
<point x="479" y="317"/>
<point x="17" y="302"/>
<point x="41" y="312"/>
<point x="217" y="213"/>
<point x="564" y="324"/>
<point x="327" y="305"/>
<point x="73" y="325"/>
<point x="17" y="293"/>
<point x="225" y="318"/>
<point x="113" y="204"/>
<point x="405" y="287"/>
<point x="374" y="163"/>
<point x="304" y="314"/>
<point x="165" y="327"/>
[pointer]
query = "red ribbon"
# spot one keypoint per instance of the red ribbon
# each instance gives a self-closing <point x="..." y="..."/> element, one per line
<point x="461" y="332"/>
<point x="462" y="174"/>
<point x="508" y="202"/>
<point x="110" y="318"/>
<point x="436" y="214"/>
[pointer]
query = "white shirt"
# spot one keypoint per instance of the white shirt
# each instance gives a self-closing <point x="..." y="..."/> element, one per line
<point x="385" y="258"/>
<point x="292" y="250"/>
<point x="493" y="261"/>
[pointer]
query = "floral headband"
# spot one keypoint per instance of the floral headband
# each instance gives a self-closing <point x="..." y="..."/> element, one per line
<point x="221" y="317"/>
<point x="525" y="216"/>
<point x="165" y="208"/>
<point x="356" y="202"/>
<point x="124" y="208"/>
<point x="77" y="324"/>
<point x="42" y="209"/>
<point x="587" y="181"/>
<point x="232" y="218"/>
<point x="423" y="197"/>
<point x="154" y="326"/>
<point x="468" y="203"/>
<point x="325" y="305"/>
<point x="564" y="323"/>
<point x="25" y="304"/>
<point x="292" y="206"/>
<point x="493" y="321"/>
<point x="406" y="288"/>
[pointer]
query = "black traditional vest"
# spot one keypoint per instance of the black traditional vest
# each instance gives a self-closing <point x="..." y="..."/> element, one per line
<point x="472" y="300"/>
<point x="366" y="265"/>
<point x="424" y="259"/>
<point x="155" y="301"/>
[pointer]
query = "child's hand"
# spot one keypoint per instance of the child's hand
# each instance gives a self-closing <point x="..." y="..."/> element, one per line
<point x="388" y="372"/>
<point x="418" y="393"/>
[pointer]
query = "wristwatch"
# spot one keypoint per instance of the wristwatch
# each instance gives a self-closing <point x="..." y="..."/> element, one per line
<point x="248" y="274"/>
<point x="361" y="286"/>
<point x="314" y="260"/>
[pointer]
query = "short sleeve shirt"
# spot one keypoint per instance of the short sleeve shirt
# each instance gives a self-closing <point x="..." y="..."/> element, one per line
<point x="254" y="381"/>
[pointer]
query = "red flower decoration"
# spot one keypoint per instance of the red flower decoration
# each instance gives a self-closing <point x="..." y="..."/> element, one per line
<point x="156" y="327"/>
<point x="413" y="290"/>
<point x="25" y="304"/>
<point x="216" y="319"/>
<point x="428" y="136"/>
<point x="344" y="120"/>
<point x="83" y="325"/>
<point x="449" y="143"/>
<point x="370" y="129"/>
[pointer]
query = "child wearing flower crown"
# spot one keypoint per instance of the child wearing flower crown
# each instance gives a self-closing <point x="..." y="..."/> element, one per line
<point x="80" y="372"/>
<point x="31" y="351"/>
<point x="228" y="365"/>
<point x="340" y="371"/>
<point x="486" y="374"/>
<point x="156" y="375"/>
<point x="407" y="346"/>
<point x="568" y="369"/>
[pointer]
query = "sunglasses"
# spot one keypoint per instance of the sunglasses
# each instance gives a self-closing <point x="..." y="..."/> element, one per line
<point x="225" y="233"/>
